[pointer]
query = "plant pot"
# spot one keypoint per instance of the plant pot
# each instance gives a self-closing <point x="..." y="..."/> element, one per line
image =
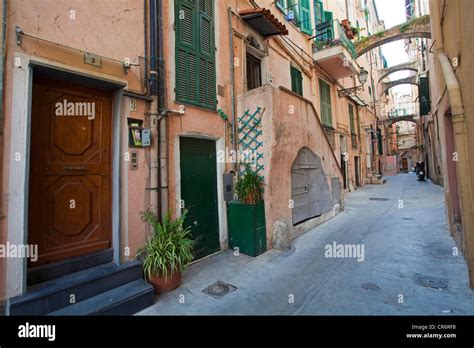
<point x="346" y="24"/>
<point x="162" y="284"/>
<point x="246" y="225"/>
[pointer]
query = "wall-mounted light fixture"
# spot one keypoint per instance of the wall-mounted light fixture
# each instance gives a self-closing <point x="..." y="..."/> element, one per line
<point x="363" y="74"/>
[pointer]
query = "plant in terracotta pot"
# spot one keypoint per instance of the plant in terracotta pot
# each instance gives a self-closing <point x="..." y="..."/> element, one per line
<point x="249" y="187"/>
<point x="167" y="251"/>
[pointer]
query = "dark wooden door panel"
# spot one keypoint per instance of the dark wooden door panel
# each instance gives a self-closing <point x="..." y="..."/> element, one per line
<point x="199" y="192"/>
<point x="70" y="173"/>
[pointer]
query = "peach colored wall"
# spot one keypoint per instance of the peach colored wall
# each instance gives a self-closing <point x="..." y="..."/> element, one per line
<point x="458" y="42"/>
<point x="110" y="29"/>
<point x="284" y="136"/>
<point x="196" y="121"/>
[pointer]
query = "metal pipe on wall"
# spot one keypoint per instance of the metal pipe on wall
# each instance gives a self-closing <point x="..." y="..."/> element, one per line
<point x="162" y="122"/>
<point x="154" y="165"/>
<point x="2" y="61"/>
<point x="232" y="80"/>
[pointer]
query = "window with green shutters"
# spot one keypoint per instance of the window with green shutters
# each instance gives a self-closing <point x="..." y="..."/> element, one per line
<point x="281" y="4"/>
<point x="351" y="118"/>
<point x="296" y="81"/>
<point x="293" y="7"/>
<point x="300" y="11"/>
<point x="325" y="101"/>
<point x="329" y="30"/>
<point x="352" y="126"/>
<point x="424" y="96"/>
<point x="195" y="53"/>
<point x="306" y="24"/>
<point x="318" y="12"/>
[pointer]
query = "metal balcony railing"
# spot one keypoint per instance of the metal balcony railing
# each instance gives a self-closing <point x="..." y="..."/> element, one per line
<point x="331" y="33"/>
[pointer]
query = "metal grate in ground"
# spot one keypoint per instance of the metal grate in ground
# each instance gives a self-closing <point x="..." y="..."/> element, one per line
<point x="219" y="289"/>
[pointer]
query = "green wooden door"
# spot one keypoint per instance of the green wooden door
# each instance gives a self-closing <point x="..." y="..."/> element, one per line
<point x="199" y="193"/>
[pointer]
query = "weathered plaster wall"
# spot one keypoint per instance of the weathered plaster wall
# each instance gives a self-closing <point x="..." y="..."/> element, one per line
<point x="457" y="24"/>
<point x="113" y="30"/>
<point x="284" y="136"/>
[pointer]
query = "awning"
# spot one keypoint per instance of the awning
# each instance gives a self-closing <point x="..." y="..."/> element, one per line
<point x="358" y="100"/>
<point x="263" y="21"/>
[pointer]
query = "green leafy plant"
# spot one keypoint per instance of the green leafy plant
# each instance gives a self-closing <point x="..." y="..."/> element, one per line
<point x="249" y="187"/>
<point x="169" y="248"/>
<point x="223" y="115"/>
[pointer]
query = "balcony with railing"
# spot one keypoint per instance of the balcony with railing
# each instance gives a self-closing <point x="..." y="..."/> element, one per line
<point x="334" y="51"/>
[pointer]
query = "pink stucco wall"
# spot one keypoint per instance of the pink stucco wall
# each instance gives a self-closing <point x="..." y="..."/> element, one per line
<point x="284" y="135"/>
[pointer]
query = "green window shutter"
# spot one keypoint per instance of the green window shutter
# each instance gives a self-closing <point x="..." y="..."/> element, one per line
<point x="293" y="6"/>
<point x="186" y="53"/>
<point x="351" y="118"/>
<point x="318" y="12"/>
<point x="296" y="81"/>
<point x="195" y="53"/>
<point x="281" y="4"/>
<point x="328" y="17"/>
<point x="424" y="96"/>
<point x="207" y="69"/>
<point x="325" y="101"/>
<point x="306" y="22"/>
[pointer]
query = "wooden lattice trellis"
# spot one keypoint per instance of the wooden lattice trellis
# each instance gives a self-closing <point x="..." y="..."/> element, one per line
<point x="250" y="140"/>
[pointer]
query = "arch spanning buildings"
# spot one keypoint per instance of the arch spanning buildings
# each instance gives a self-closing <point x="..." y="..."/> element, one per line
<point x="411" y="66"/>
<point x="391" y="120"/>
<point x="418" y="27"/>
<point x="411" y="80"/>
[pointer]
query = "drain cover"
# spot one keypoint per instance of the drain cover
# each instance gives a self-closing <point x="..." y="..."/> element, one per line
<point x="370" y="286"/>
<point x="432" y="282"/>
<point x="378" y="199"/>
<point x="219" y="289"/>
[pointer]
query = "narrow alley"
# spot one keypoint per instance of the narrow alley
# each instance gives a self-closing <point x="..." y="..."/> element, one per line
<point x="410" y="265"/>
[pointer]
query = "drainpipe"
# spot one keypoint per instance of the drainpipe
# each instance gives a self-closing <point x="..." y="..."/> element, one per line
<point x="232" y="81"/>
<point x="145" y="39"/>
<point x="162" y="121"/>
<point x="154" y="206"/>
<point x="460" y="143"/>
<point x="2" y="60"/>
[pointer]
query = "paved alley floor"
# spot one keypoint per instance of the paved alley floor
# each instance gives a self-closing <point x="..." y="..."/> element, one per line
<point x="408" y="265"/>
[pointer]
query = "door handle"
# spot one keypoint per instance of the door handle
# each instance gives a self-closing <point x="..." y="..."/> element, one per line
<point x="76" y="169"/>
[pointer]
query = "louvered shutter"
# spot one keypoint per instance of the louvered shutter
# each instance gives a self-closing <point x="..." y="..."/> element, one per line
<point x="186" y="52"/>
<point x="318" y="12"/>
<point x="325" y="101"/>
<point x="351" y="118"/>
<point x="281" y="4"/>
<point x="296" y="81"/>
<point x="294" y="7"/>
<point x="306" y="22"/>
<point x="207" y="70"/>
<point x="329" y="17"/>
<point x="195" y="53"/>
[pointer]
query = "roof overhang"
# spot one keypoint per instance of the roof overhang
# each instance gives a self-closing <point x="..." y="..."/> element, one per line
<point x="263" y="21"/>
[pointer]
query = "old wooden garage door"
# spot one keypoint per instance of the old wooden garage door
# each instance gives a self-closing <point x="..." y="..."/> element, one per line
<point x="309" y="188"/>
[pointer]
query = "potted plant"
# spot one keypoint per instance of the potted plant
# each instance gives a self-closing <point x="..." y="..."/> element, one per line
<point x="246" y="216"/>
<point x="167" y="251"/>
<point x="346" y="24"/>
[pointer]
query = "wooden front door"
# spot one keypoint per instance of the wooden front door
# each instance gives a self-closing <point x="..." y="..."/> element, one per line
<point x="70" y="171"/>
<point x="199" y="193"/>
